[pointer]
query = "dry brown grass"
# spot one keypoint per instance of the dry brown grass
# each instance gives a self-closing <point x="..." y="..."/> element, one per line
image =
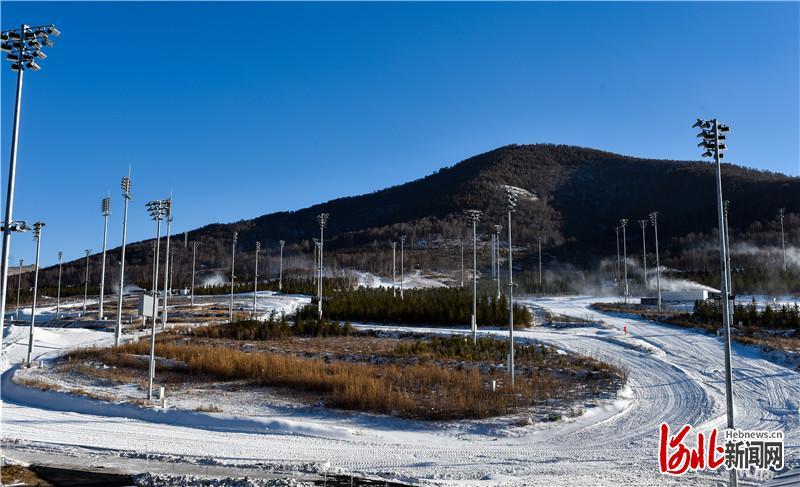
<point x="428" y="391"/>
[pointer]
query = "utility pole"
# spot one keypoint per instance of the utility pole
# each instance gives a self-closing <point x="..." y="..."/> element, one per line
<point x="497" y="230"/>
<point x="511" y="203"/>
<point x="712" y="138"/>
<point x="86" y="280"/>
<point x="255" y="279"/>
<point x="24" y="47"/>
<point x="167" y="266"/>
<point x="654" y="221"/>
<point x="394" y="267"/>
<point x="37" y="236"/>
<point x="474" y="216"/>
<point x="233" y="271"/>
<point x="106" y="209"/>
<point x="126" y="197"/>
<point x="781" y="213"/>
<point x="157" y="209"/>
<point x="322" y="218"/>
<point x="58" y="294"/>
<point x="624" y="223"/>
<point x="280" y="267"/>
<point x="402" y="263"/>
<point x="194" y="260"/>
<point x="725" y="206"/>
<point x="643" y="224"/>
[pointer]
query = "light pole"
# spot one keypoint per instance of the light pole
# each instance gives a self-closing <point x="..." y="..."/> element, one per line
<point x="497" y="230"/>
<point x="643" y="224"/>
<point x="157" y="209"/>
<point x="280" y="266"/>
<point x="474" y="216"/>
<point x="725" y="207"/>
<point x="315" y="240"/>
<point x="781" y="213"/>
<point x="19" y="286"/>
<point x="402" y="263"/>
<point x="494" y="253"/>
<point x="619" y="263"/>
<point x="194" y="259"/>
<point x="461" y="243"/>
<point x="540" y="264"/>
<point x="172" y="252"/>
<point x="255" y="279"/>
<point x="712" y="141"/>
<point x="126" y="196"/>
<point x="37" y="236"/>
<point x="654" y="221"/>
<point x="322" y="218"/>
<point x="58" y="293"/>
<point x="106" y="211"/>
<point x="233" y="271"/>
<point x="24" y="48"/>
<point x="86" y="280"/>
<point x="624" y="224"/>
<point x="511" y="203"/>
<point x="394" y="267"/>
<point x="167" y="266"/>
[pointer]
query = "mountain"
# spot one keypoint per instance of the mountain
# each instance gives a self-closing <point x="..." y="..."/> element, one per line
<point x="582" y="194"/>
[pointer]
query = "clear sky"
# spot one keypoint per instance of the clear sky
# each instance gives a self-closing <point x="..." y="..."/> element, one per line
<point x="242" y="109"/>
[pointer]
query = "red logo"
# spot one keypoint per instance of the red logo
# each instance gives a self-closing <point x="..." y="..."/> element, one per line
<point x="675" y="458"/>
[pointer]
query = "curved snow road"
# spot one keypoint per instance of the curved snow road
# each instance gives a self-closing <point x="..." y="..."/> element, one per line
<point x="675" y="376"/>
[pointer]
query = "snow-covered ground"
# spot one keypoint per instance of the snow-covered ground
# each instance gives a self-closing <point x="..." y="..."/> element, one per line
<point x="412" y="280"/>
<point x="675" y="376"/>
<point x="267" y="302"/>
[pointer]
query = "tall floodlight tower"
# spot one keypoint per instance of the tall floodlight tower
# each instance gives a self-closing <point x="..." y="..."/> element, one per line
<point x="315" y="240"/>
<point x="654" y="221"/>
<point x="106" y="211"/>
<point x="282" y="243"/>
<point x="511" y="204"/>
<point x="619" y="263"/>
<point x="37" y="236"/>
<point x="394" y="269"/>
<point x="24" y="49"/>
<point x="643" y="224"/>
<point x="725" y="208"/>
<point x="167" y="266"/>
<point x="194" y="260"/>
<point x="126" y="197"/>
<point x="233" y="271"/>
<point x="497" y="230"/>
<point x="86" y="280"/>
<point x="19" y="286"/>
<point x="322" y="219"/>
<point x="402" y="263"/>
<point x="781" y="214"/>
<point x="156" y="209"/>
<point x="712" y="140"/>
<point x="58" y="293"/>
<point x="255" y="279"/>
<point x="474" y="216"/>
<point x="624" y="224"/>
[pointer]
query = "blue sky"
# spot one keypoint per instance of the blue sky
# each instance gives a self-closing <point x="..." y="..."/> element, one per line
<point x="243" y="109"/>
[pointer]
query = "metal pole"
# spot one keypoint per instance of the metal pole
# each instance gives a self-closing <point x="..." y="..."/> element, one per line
<point x="38" y="236"/>
<point x="255" y="279"/>
<point x="497" y="229"/>
<point x="58" y="294"/>
<point x="86" y="281"/>
<point x="725" y="205"/>
<point x="510" y="304"/>
<point x="321" y="264"/>
<point x="654" y="219"/>
<point x="12" y="175"/>
<point x="106" y="212"/>
<point x="619" y="263"/>
<point x="126" y="196"/>
<point x="402" y="263"/>
<point x="494" y="240"/>
<point x="19" y="286"/>
<point x="194" y="258"/>
<point x="167" y="264"/>
<point x="540" y="263"/>
<point x="172" y="269"/>
<point x="233" y="272"/>
<point x="624" y="224"/>
<point x="643" y="224"/>
<point x="781" y="212"/>
<point x="474" y="282"/>
<point x="280" y="268"/>
<point x="726" y="317"/>
<point x="461" y="241"/>
<point x="152" y="372"/>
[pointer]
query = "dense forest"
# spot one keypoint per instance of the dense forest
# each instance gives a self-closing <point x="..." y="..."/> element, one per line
<point x="582" y="194"/>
